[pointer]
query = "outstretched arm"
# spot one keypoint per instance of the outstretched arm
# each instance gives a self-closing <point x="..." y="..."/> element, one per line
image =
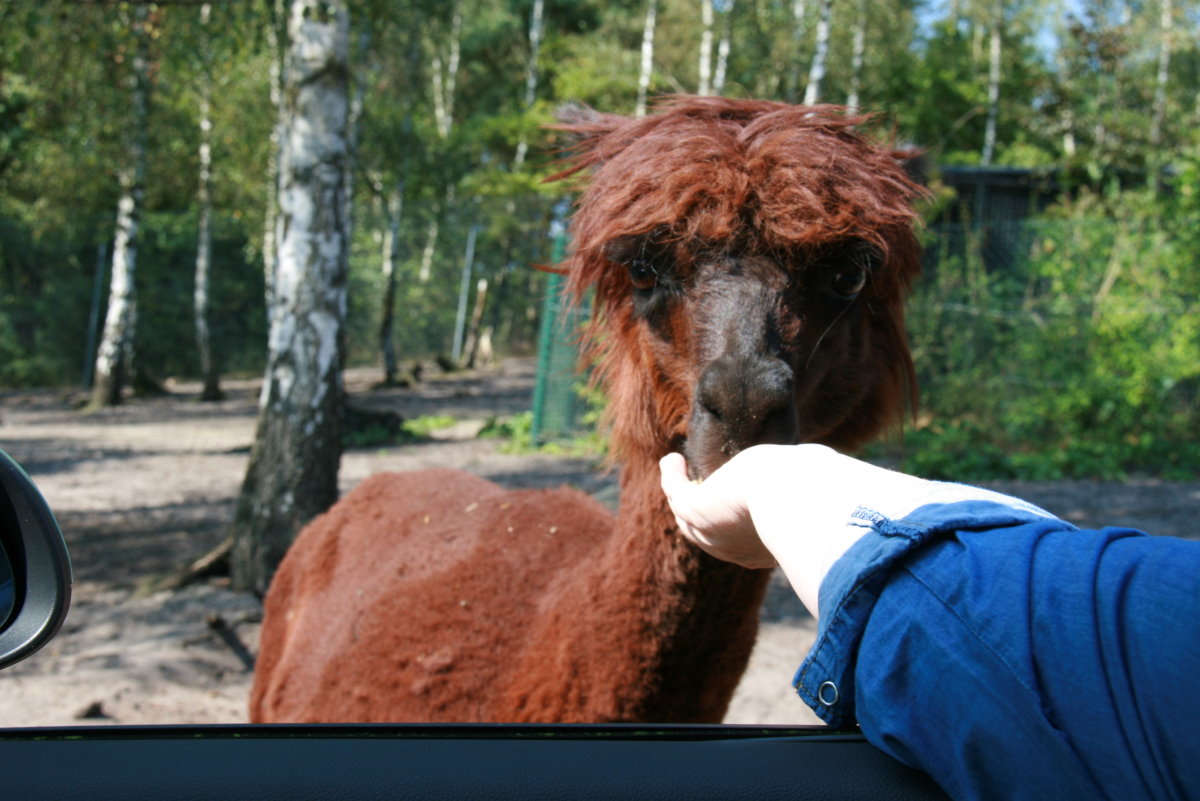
<point x="794" y="505"/>
<point x="971" y="634"/>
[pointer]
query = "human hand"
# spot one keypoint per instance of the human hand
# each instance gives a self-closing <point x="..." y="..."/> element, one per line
<point x="715" y="515"/>
<point x="784" y="504"/>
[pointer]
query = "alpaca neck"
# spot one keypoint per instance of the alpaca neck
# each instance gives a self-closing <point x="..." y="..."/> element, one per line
<point x="669" y="628"/>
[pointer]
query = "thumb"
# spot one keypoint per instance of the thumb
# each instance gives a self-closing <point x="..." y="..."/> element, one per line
<point x="673" y="468"/>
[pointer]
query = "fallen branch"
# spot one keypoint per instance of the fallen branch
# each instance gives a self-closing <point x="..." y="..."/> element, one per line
<point x="213" y="563"/>
<point x="218" y="626"/>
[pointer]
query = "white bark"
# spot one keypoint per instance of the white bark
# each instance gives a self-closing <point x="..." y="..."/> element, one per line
<point x="472" y="346"/>
<point x="799" y="9"/>
<point x="1068" y="112"/>
<point x="706" y="46"/>
<point x="353" y="123"/>
<point x="1164" y="70"/>
<point x="294" y="461"/>
<point x="391" y="257"/>
<point x="816" y="70"/>
<point x="114" y="356"/>
<point x="445" y="79"/>
<point x="856" y="57"/>
<point x="993" y="112"/>
<point x="427" y="252"/>
<point x="463" y="289"/>
<point x="531" y="72"/>
<point x="200" y="295"/>
<point x="647" y="68"/>
<point x="718" y="86"/>
<point x="276" y="36"/>
<point x="445" y="76"/>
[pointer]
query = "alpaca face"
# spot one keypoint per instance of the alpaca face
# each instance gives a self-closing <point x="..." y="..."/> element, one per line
<point x="760" y="349"/>
<point x="749" y="262"/>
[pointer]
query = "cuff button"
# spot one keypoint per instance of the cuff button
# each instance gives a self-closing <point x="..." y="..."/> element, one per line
<point x="827" y="693"/>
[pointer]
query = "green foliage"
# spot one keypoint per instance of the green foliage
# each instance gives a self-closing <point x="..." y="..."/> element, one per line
<point x="1076" y="358"/>
<point x="426" y="424"/>
<point x="517" y="432"/>
<point x="1081" y="358"/>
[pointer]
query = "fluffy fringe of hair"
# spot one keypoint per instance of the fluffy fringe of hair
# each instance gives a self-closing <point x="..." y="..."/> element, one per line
<point x="746" y="176"/>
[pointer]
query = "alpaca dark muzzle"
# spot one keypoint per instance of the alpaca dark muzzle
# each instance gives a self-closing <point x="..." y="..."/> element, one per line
<point x="741" y="401"/>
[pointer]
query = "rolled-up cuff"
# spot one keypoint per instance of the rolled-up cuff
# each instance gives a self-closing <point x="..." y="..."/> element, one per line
<point x="825" y="680"/>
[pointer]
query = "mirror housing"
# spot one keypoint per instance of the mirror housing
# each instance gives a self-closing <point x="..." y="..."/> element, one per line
<point x="37" y="559"/>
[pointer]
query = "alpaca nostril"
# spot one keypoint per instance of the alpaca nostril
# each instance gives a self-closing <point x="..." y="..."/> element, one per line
<point x="749" y="400"/>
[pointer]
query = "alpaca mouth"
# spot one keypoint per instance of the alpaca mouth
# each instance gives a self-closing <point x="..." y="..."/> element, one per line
<point x="678" y="444"/>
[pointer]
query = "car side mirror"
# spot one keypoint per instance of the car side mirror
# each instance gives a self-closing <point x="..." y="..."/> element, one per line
<point x="35" y="570"/>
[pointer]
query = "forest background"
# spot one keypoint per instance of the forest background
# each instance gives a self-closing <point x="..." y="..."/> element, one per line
<point x="155" y="127"/>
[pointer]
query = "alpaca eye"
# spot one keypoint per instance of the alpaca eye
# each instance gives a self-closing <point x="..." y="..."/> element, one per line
<point x="848" y="283"/>
<point x="642" y="275"/>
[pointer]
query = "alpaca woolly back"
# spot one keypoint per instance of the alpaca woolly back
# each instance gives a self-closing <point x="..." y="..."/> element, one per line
<point x="715" y="176"/>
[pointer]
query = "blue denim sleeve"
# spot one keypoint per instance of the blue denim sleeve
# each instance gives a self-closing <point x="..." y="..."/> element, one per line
<point x="1011" y="655"/>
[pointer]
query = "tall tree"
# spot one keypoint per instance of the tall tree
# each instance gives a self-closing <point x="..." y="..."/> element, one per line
<point x="713" y="70"/>
<point x="706" y="47"/>
<point x="858" y="50"/>
<point x="799" y="29"/>
<point x="447" y="55"/>
<point x="200" y="304"/>
<point x="1159" y="112"/>
<point x="723" y="47"/>
<point x="277" y="43"/>
<point x="446" y="59"/>
<point x="647" y="66"/>
<point x="993" y="94"/>
<point x="816" y="70"/>
<point x="536" y="27"/>
<point x="294" y="461"/>
<point x="114" y="357"/>
<point x="394" y="206"/>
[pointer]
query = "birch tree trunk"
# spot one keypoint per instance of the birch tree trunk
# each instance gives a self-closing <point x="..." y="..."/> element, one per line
<point x="647" y="58"/>
<point x="391" y="256"/>
<point x="1067" y="116"/>
<point x="799" y="8"/>
<point x="208" y="370"/>
<point x="477" y="347"/>
<point x="445" y="76"/>
<point x="276" y="39"/>
<point x="445" y="80"/>
<point x="463" y="289"/>
<point x="293" y="468"/>
<point x="718" y="86"/>
<point x="993" y="111"/>
<point x="114" y="356"/>
<point x="1160" y="88"/>
<point x="531" y="73"/>
<point x="706" y="44"/>
<point x="856" y="58"/>
<point x="431" y="235"/>
<point x="816" y="71"/>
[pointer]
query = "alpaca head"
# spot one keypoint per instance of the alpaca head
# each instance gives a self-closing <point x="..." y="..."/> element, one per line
<point x="749" y="262"/>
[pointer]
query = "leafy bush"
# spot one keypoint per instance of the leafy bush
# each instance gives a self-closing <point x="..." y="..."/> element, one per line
<point x="1080" y="358"/>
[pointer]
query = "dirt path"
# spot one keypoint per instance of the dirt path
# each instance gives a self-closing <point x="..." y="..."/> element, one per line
<point x="147" y="487"/>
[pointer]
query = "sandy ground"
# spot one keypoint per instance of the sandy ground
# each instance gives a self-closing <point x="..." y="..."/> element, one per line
<point x="146" y="488"/>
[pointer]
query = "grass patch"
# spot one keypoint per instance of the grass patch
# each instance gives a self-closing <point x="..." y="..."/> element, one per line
<point x="426" y="424"/>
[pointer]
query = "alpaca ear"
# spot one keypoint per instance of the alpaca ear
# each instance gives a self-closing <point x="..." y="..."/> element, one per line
<point x="571" y="114"/>
<point x="583" y="129"/>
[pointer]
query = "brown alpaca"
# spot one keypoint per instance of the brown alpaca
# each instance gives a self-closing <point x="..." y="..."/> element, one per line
<point x="749" y="262"/>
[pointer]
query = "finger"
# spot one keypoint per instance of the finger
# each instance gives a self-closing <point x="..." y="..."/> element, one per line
<point x="673" y="465"/>
<point x="673" y="475"/>
<point x="677" y="487"/>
